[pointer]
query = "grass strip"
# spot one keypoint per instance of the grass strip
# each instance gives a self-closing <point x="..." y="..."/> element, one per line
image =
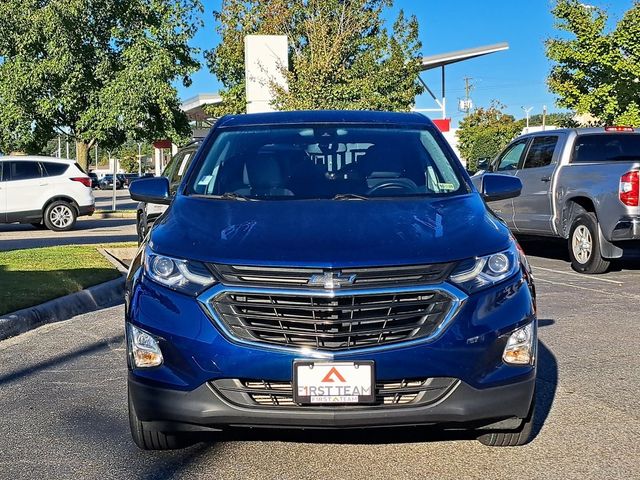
<point x="33" y="276"/>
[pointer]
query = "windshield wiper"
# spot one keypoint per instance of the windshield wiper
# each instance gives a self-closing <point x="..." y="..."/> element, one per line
<point x="230" y="196"/>
<point x="349" y="196"/>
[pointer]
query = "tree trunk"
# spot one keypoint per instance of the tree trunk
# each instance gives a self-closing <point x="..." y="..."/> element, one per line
<point x="82" y="155"/>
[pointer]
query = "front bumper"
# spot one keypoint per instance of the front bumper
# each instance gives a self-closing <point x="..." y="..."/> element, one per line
<point x="196" y="353"/>
<point x="205" y="407"/>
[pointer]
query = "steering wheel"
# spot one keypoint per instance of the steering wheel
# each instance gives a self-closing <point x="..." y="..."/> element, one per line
<point x="406" y="185"/>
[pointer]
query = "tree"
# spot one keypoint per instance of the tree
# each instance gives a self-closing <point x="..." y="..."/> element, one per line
<point x="128" y="155"/>
<point x="596" y="72"/>
<point x="95" y="70"/>
<point x="562" y="120"/>
<point x="341" y="55"/>
<point x="485" y="132"/>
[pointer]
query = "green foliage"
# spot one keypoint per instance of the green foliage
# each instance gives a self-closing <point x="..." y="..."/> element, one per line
<point x="485" y="132"/>
<point x="97" y="70"/>
<point x="562" y="120"/>
<point x="341" y="55"/>
<point x="128" y="156"/>
<point x="596" y="72"/>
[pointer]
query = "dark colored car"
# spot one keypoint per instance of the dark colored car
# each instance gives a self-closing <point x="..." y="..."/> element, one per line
<point x="329" y="270"/>
<point x="94" y="180"/>
<point x="130" y="177"/>
<point x="106" y="182"/>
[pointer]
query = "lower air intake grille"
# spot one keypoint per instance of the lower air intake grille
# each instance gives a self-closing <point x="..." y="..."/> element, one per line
<point x="265" y="393"/>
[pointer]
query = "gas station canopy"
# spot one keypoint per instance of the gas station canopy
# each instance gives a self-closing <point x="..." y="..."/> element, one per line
<point x="442" y="59"/>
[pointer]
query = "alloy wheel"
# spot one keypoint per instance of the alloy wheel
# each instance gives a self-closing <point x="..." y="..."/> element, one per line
<point x="61" y="216"/>
<point x="582" y="244"/>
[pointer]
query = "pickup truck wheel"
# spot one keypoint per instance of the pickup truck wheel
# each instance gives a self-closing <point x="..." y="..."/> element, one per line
<point x="150" y="439"/>
<point x="60" y="216"/>
<point x="514" y="438"/>
<point x="584" y="245"/>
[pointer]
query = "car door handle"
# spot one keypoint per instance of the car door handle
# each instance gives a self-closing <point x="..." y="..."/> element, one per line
<point x="546" y="179"/>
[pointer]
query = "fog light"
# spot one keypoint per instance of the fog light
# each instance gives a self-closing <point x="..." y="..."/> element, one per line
<point x="143" y="348"/>
<point x="520" y="349"/>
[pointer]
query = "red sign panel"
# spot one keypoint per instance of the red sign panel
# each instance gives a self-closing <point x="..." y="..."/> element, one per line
<point x="443" y="124"/>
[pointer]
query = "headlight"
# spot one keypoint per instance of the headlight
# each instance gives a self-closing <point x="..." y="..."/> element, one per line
<point x="477" y="273"/>
<point x="184" y="276"/>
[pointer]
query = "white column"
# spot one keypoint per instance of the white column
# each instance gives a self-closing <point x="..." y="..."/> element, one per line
<point x="157" y="156"/>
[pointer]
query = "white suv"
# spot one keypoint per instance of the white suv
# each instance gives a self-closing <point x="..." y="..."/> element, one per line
<point x="44" y="191"/>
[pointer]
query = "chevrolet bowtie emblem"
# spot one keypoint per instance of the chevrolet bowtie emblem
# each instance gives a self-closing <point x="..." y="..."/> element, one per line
<point x="332" y="280"/>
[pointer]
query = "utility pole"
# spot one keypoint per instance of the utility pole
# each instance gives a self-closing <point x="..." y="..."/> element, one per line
<point x="527" y="112"/>
<point x="466" y="104"/>
<point x="544" y="118"/>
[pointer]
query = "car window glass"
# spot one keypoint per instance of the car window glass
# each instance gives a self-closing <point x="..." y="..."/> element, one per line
<point x="54" y="169"/>
<point x="168" y="170"/>
<point x="607" y="147"/>
<point x="184" y="164"/>
<point x="541" y="152"/>
<point x="511" y="158"/>
<point x="24" y="170"/>
<point x="1" y="171"/>
<point x="319" y="162"/>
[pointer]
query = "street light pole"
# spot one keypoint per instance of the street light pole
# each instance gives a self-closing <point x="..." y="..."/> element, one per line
<point x="527" y="111"/>
<point x="115" y="179"/>
<point x="139" y="159"/>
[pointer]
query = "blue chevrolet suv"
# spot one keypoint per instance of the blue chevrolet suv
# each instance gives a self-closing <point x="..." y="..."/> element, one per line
<point x="329" y="270"/>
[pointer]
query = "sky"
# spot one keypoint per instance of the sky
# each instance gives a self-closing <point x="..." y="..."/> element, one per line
<point x="516" y="77"/>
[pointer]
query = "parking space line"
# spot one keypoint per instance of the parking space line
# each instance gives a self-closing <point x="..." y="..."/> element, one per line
<point x="581" y="275"/>
<point x="564" y="284"/>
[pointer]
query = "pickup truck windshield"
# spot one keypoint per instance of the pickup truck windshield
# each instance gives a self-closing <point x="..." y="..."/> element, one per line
<point x="324" y="162"/>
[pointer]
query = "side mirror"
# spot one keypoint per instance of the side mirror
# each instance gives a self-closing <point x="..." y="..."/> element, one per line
<point x="151" y="190"/>
<point x="500" y="187"/>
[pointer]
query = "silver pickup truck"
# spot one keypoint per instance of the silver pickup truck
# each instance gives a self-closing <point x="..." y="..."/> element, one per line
<point x="581" y="185"/>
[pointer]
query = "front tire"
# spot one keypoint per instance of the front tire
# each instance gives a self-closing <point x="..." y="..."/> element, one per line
<point x="60" y="216"/>
<point x="584" y="245"/>
<point x="514" y="438"/>
<point x="147" y="438"/>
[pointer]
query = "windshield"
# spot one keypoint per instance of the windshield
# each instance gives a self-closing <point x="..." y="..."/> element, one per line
<point x="322" y="162"/>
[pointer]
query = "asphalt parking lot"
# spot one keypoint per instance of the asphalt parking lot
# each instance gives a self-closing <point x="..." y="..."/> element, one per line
<point x="63" y="399"/>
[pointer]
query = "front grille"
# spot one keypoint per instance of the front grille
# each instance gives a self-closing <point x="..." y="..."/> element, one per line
<point x="265" y="393"/>
<point x="332" y="323"/>
<point x="364" y="277"/>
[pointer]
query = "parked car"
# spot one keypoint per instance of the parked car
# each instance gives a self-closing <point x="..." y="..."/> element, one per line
<point x="94" y="180"/>
<point x="329" y="270"/>
<point x="130" y="177"/>
<point x="581" y="185"/>
<point x="45" y="192"/>
<point x="106" y="182"/>
<point x="147" y="213"/>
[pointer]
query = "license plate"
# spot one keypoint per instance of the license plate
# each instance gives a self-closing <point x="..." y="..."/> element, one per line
<point x="333" y="382"/>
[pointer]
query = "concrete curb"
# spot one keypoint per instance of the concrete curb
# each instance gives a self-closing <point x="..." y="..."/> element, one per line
<point x="63" y="308"/>
<point x="114" y="215"/>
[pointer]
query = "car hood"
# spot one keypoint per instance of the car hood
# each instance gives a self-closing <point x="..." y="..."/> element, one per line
<point x="329" y="233"/>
